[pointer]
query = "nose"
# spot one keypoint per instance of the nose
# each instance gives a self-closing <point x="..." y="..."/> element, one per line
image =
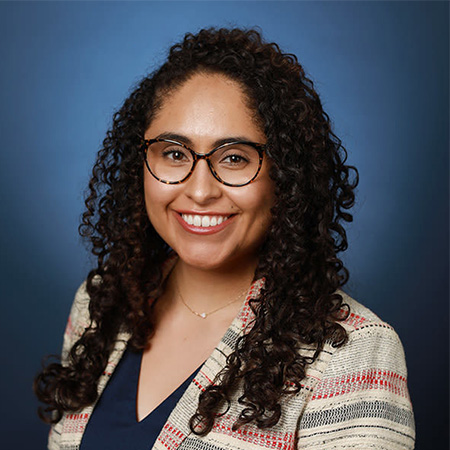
<point x="201" y="186"/>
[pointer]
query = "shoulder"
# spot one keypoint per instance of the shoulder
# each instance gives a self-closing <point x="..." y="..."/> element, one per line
<point x="78" y="320"/>
<point x="370" y="339"/>
<point x="79" y="312"/>
<point x="358" y="314"/>
<point x="361" y="387"/>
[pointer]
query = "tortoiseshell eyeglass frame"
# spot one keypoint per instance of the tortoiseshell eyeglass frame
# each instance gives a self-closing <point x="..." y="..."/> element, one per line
<point x="197" y="156"/>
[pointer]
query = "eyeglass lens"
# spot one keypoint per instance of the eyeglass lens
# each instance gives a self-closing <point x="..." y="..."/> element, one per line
<point x="233" y="164"/>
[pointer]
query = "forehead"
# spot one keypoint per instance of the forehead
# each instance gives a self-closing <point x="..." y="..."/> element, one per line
<point x="206" y="106"/>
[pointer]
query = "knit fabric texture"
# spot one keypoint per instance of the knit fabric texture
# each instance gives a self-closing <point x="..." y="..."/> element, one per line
<point x="353" y="397"/>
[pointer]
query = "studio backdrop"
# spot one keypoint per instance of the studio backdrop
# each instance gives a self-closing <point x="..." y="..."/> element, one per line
<point x="381" y="69"/>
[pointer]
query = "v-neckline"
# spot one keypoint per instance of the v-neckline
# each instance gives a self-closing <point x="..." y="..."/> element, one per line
<point x="176" y="427"/>
<point x="185" y="383"/>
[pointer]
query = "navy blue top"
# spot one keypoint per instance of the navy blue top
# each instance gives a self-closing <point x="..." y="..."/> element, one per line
<point x="113" y="424"/>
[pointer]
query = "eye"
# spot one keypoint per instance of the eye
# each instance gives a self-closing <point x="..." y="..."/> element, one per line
<point x="175" y="154"/>
<point x="234" y="159"/>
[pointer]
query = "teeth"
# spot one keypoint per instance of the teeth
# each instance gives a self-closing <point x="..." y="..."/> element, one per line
<point x="203" y="221"/>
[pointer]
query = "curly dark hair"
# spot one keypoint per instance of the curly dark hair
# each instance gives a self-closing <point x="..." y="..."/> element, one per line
<point x="313" y="189"/>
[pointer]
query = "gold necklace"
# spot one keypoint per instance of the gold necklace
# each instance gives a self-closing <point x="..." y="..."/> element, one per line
<point x="204" y="315"/>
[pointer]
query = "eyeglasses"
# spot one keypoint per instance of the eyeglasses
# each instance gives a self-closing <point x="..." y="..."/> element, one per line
<point x="233" y="164"/>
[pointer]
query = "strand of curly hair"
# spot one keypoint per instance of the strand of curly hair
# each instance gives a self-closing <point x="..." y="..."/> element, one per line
<point x="314" y="188"/>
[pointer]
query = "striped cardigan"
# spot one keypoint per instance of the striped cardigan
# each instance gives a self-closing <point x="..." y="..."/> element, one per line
<point x="353" y="397"/>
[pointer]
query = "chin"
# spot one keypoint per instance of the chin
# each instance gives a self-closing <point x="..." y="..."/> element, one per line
<point x="206" y="259"/>
<point x="202" y="262"/>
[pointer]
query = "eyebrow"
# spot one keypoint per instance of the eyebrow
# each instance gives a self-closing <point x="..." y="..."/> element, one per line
<point x="185" y="140"/>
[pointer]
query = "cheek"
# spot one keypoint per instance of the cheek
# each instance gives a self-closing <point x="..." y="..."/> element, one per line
<point x="157" y="197"/>
<point x="264" y="204"/>
<point x="257" y="200"/>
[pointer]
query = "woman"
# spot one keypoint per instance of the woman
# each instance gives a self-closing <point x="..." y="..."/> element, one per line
<point x="214" y="318"/>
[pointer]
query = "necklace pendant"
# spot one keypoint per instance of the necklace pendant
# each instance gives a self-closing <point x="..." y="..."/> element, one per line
<point x="203" y="315"/>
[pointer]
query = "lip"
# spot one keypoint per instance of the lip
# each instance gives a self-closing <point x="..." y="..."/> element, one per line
<point x="203" y="230"/>
<point x="202" y="213"/>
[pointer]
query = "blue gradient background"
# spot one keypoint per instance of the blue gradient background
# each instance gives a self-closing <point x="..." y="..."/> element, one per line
<point x="382" y="71"/>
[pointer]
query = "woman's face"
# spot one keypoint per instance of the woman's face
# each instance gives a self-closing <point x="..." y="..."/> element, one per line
<point x="205" y="109"/>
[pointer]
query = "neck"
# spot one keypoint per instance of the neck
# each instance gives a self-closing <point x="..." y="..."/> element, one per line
<point x="206" y="290"/>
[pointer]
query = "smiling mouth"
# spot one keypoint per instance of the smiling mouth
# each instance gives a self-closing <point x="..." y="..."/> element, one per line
<point x="203" y="221"/>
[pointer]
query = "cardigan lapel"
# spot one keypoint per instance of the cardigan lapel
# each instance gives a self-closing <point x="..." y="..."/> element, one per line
<point x="176" y="429"/>
<point x="73" y="424"/>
